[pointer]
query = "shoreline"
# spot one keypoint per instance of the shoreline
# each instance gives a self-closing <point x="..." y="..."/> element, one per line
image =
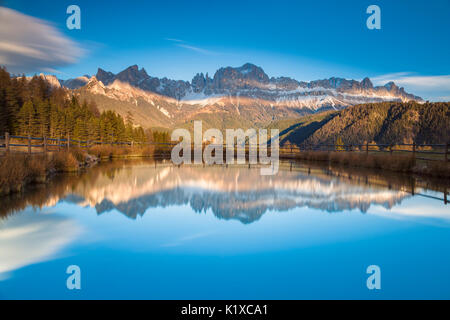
<point x="390" y="163"/>
<point x="17" y="171"/>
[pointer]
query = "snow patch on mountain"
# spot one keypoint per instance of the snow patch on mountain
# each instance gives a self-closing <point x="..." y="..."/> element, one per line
<point x="201" y="98"/>
<point x="164" y="111"/>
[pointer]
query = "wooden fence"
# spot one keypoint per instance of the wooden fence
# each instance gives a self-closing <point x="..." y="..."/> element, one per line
<point x="428" y="152"/>
<point x="28" y="144"/>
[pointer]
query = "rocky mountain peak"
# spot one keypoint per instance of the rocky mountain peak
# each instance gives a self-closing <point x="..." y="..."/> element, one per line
<point x="366" y="83"/>
<point x="105" y="76"/>
<point x="132" y="75"/>
<point x="51" y="79"/>
<point x="286" y="83"/>
<point x="198" y="82"/>
<point x="391" y="86"/>
<point x="93" y="81"/>
<point x="244" y="77"/>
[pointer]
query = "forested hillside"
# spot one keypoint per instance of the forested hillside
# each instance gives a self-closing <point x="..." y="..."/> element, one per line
<point x="383" y="123"/>
<point x="33" y="107"/>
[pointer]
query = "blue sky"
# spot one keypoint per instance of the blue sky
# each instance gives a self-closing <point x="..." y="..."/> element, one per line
<point x="306" y="40"/>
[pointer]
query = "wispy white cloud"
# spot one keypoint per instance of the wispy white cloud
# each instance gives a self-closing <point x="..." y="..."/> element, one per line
<point x="196" y="49"/>
<point x="185" y="45"/>
<point x="174" y="40"/>
<point x="28" y="44"/>
<point x="436" y="87"/>
<point x="441" y="82"/>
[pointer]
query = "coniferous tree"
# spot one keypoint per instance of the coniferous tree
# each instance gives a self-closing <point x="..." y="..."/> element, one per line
<point x="27" y="119"/>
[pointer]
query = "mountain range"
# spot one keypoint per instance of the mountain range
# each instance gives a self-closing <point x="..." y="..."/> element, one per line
<point x="234" y="97"/>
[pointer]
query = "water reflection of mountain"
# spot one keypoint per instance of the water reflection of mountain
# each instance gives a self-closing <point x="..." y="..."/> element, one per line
<point x="230" y="193"/>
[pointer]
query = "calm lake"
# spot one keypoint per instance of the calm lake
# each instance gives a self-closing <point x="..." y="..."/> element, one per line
<point x="151" y="230"/>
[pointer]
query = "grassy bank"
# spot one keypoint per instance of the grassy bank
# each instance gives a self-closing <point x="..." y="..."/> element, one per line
<point x="398" y="163"/>
<point x="18" y="170"/>
<point x="106" y="152"/>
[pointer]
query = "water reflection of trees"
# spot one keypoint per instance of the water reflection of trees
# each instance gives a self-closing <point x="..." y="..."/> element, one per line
<point x="59" y="186"/>
<point x="233" y="193"/>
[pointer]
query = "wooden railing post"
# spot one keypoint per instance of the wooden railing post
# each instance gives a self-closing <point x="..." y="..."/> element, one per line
<point x="45" y="144"/>
<point x="29" y="144"/>
<point x="68" y="141"/>
<point x="7" y="142"/>
<point x="446" y="151"/>
<point x="59" y="143"/>
<point x="367" y="148"/>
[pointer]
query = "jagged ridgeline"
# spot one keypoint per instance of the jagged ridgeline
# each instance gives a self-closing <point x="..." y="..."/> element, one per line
<point x="234" y="97"/>
<point x="35" y="107"/>
<point x="104" y="107"/>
